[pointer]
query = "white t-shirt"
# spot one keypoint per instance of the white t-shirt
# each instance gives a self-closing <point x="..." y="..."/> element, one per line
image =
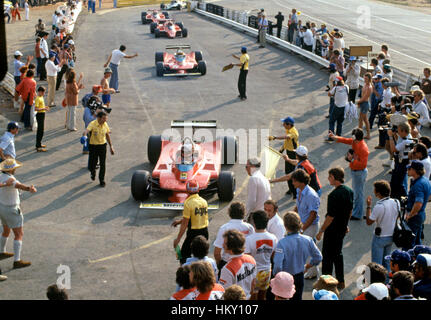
<point x="43" y="48"/>
<point x="422" y="109"/>
<point x="401" y="146"/>
<point x="276" y="227"/>
<point x="261" y="246"/>
<point x="9" y="196"/>
<point x="51" y="68"/>
<point x="385" y="213"/>
<point x="259" y="191"/>
<point x="236" y="224"/>
<point x="308" y="37"/>
<point x="427" y="166"/>
<point x="353" y="76"/>
<point x="116" y="56"/>
<point x="341" y="95"/>
<point x="386" y="97"/>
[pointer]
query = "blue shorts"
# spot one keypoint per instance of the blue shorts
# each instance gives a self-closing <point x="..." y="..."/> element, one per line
<point x="106" y="98"/>
<point x="364" y="106"/>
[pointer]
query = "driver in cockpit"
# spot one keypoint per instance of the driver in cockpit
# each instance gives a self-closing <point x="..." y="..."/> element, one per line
<point x="180" y="56"/>
<point x="188" y="154"/>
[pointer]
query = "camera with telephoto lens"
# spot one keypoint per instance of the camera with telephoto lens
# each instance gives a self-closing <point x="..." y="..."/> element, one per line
<point x="350" y="152"/>
<point x="94" y="103"/>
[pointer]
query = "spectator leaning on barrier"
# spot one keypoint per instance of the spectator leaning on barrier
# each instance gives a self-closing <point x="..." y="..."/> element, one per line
<point x="420" y="190"/>
<point x="422" y="274"/>
<point x="358" y="160"/>
<point x="426" y="85"/>
<point x="335" y="226"/>
<point x="352" y="73"/>
<point x="307" y="38"/>
<point x="293" y="261"/>
<point x="236" y="212"/>
<point x="384" y="214"/>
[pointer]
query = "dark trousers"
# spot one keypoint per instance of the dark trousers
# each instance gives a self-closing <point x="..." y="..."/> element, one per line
<point x="333" y="255"/>
<point x="186" y="250"/>
<point x="352" y="95"/>
<point x="26" y="115"/>
<point x="336" y="116"/>
<point x="43" y="69"/>
<point x="220" y="266"/>
<point x="97" y="152"/>
<point x="279" y="26"/>
<point x="373" y="113"/>
<point x="39" y="65"/>
<point x="288" y="168"/>
<point x="298" y="280"/>
<point x="60" y="76"/>
<point x="291" y="32"/>
<point x="17" y="80"/>
<point x="416" y="225"/>
<point x="242" y="80"/>
<point x="398" y="189"/>
<point x="40" y="118"/>
<point x="308" y="48"/>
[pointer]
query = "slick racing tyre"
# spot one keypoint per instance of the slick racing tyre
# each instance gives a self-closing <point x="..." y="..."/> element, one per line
<point x="160" y="69"/>
<point x="226" y="186"/>
<point x="202" y="67"/>
<point x="154" y="148"/>
<point x="141" y="185"/>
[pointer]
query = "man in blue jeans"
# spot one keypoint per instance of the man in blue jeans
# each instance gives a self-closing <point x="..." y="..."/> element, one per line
<point x="420" y="190"/>
<point x="384" y="214"/>
<point x="114" y="62"/>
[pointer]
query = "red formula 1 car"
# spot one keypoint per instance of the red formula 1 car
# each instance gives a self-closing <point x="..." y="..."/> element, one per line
<point x="180" y="63"/>
<point x="153" y="16"/>
<point x="176" y="163"/>
<point x="170" y="29"/>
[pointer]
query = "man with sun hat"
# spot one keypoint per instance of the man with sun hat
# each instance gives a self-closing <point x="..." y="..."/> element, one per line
<point x="10" y="212"/>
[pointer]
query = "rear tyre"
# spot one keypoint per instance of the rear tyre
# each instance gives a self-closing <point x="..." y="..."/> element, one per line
<point x="226" y="185"/>
<point x="180" y="24"/>
<point x="166" y="14"/>
<point x="141" y="185"/>
<point x="159" y="57"/>
<point x="153" y="27"/>
<point x="154" y="148"/>
<point x="160" y="69"/>
<point x="144" y="17"/>
<point x="229" y="150"/>
<point x="198" y="56"/>
<point x="202" y="67"/>
<point x="157" y="33"/>
<point x="184" y="33"/>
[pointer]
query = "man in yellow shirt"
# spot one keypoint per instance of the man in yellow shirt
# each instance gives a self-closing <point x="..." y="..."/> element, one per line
<point x="194" y="220"/>
<point x="244" y="61"/>
<point x="99" y="131"/>
<point x="40" y="108"/>
<point x="290" y="144"/>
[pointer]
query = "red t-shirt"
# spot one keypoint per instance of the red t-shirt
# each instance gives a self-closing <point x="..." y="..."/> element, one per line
<point x="37" y="50"/>
<point x="27" y="89"/>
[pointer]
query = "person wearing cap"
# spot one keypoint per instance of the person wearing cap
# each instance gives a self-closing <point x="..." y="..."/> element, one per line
<point x="374" y="273"/>
<point x="358" y="161"/>
<point x="263" y="27"/>
<point x="420" y="190"/>
<point x="7" y="141"/>
<point x="258" y="188"/>
<point x="283" y="286"/>
<point x="418" y="249"/>
<point x="384" y="214"/>
<point x="10" y="211"/>
<point x="421" y="108"/>
<point x="27" y="90"/>
<point x="422" y="274"/>
<point x="376" y="291"/>
<point x="100" y="136"/>
<point x="335" y="226"/>
<point x="107" y="91"/>
<point x="400" y="143"/>
<point x="398" y="261"/>
<point x="340" y="92"/>
<point x="244" y="60"/>
<point x="92" y="105"/>
<point x="375" y="98"/>
<point x="352" y="73"/>
<point x="51" y="71"/>
<point x="236" y="213"/>
<point x="402" y="286"/>
<point x="114" y="60"/>
<point x="290" y="144"/>
<point x="194" y="220"/>
<point x="302" y="162"/>
<point x="44" y="54"/>
<point x="294" y="261"/>
<point x="18" y="64"/>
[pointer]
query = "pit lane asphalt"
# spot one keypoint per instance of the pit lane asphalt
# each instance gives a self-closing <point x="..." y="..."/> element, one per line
<point x="115" y="250"/>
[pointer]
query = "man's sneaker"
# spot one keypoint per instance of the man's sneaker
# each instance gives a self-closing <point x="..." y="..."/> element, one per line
<point x="102" y="184"/>
<point x="5" y="255"/>
<point x="21" y="264"/>
<point x="3" y="278"/>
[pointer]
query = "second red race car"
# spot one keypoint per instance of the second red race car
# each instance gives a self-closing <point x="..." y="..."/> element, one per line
<point x="180" y="63"/>
<point x="176" y="163"/>
<point x="153" y="16"/>
<point x="169" y="28"/>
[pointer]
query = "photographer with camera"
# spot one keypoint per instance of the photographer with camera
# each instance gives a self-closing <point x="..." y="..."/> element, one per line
<point x="358" y="159"/>
<point x="384" y="214"/>
<point x="400" y="143"/>
<point x="420" y="190"/>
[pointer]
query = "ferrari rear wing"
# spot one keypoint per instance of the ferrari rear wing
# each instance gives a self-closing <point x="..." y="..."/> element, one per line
<point x="178" y="47"/>
<point x="194" y="124"/>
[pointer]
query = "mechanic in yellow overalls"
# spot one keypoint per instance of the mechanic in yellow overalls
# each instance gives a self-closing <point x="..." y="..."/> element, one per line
<point x="194" y="220"/>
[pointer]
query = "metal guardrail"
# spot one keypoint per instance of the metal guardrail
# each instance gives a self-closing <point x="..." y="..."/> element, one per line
<point x="245" y="23"/>
<point x="8" y="83"/>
